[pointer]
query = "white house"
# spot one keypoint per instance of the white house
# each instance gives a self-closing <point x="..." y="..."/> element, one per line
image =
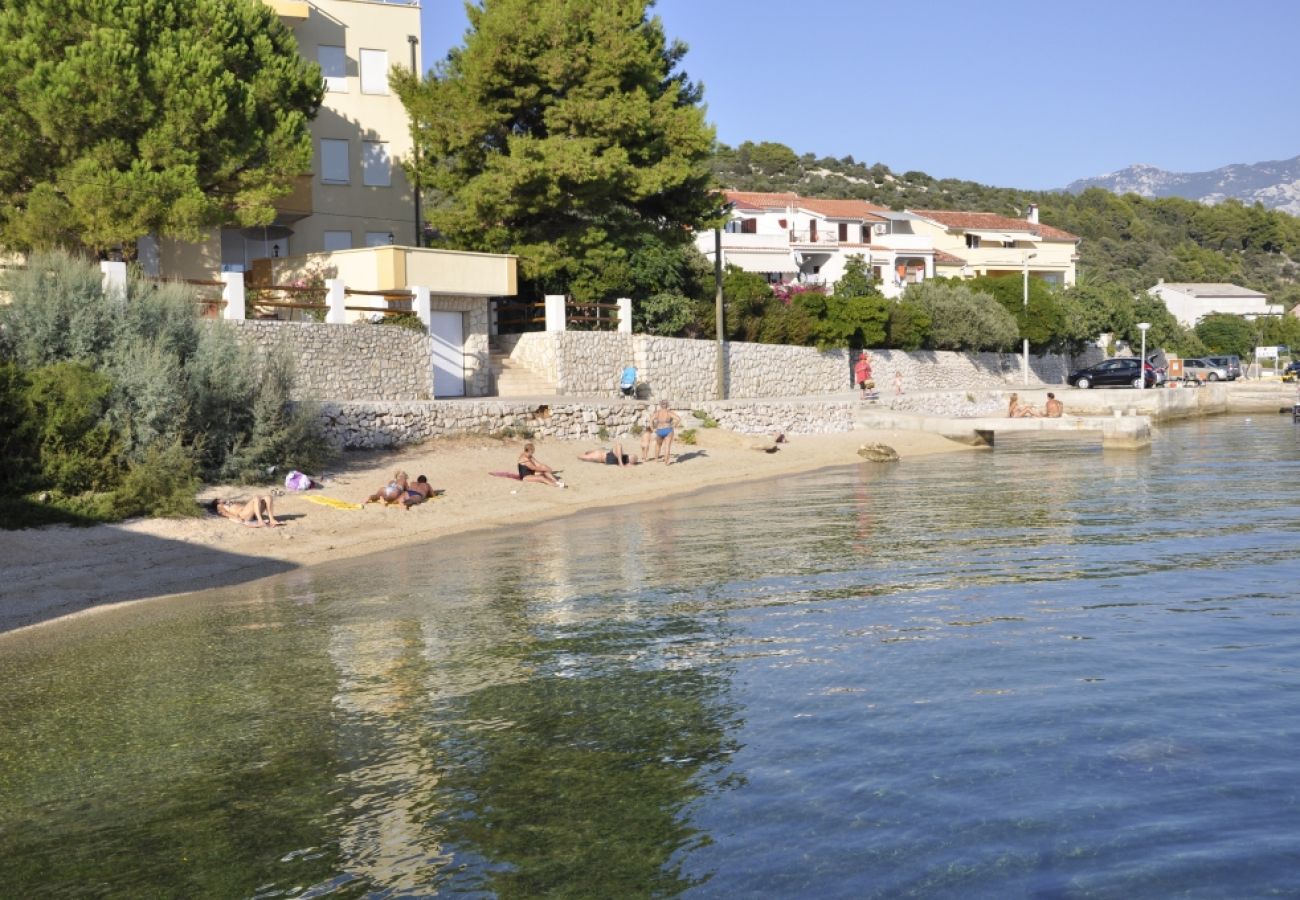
<point x="791" y="238"/>
<point x="1190" y="303"/>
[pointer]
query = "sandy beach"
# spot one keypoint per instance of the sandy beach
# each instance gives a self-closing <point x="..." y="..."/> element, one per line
<point x="59" y="571"/>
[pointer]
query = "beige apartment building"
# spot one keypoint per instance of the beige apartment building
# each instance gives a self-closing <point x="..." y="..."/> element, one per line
<point x="357" y="194"/>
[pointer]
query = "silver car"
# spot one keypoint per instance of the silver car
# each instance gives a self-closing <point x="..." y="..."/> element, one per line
<point x="1203" y="370"/>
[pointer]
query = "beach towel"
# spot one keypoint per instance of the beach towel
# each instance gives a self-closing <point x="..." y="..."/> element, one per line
<point x="330" y="501"/>
<point x="514" y="475"/>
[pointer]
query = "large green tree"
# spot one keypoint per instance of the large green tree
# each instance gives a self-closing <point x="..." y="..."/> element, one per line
<point x="565" y="133"/>
<point x="128" y="117"/>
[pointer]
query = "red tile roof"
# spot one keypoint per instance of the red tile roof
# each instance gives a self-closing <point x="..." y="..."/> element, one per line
<point x="982" y="221"/>
<point x="760" y="200"/>
<point x="947" y="259"/>
<point x="842" y="209"/>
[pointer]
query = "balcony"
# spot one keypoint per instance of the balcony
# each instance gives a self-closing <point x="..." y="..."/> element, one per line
<point x="821" y="239"/>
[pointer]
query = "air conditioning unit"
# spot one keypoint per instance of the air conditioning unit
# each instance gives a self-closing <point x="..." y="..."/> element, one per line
<point x="880" y="228"/>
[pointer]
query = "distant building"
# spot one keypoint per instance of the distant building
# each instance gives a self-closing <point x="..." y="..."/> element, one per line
<point x="786" y="237"/>
<point x="356" y="194"/>
<point x="1190" y="302"/>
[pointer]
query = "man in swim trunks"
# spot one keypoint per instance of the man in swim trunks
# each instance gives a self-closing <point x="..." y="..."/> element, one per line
<point x="418" y="492"/>
<point x="665" y="423"/>
<point x="611" y="457"/>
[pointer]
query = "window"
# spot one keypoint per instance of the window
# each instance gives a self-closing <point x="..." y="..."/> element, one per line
<point x="337" y="240"/>
<point x="866" y="234"/>
<point x="749" y="226"/>
<point x="376" y="168"/>
<point x="334" y="161"/>
<point x="973" y="241"/>
<point x="812" y="230"/>
<point x="379" y="238"/>
<point x="334" y="66"/>
<point x="374" y="71"/>
<point x="844" y="231"/>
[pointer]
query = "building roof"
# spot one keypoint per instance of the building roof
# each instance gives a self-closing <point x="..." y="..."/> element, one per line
<point x="1209" y="289"/>
<point x="947" y="259"/>
<point x="984" y="221"/>
<point x="761" y="200"/>
<point x="842" y="209"/>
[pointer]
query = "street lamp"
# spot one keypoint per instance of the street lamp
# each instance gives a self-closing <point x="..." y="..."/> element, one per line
<point x="1142" y="363"/>
<point x="1025" y="362"/>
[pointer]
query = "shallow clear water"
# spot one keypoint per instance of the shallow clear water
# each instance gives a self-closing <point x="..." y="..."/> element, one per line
<point x="1043" y="671"/>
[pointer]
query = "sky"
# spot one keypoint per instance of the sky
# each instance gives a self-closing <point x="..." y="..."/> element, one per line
<point x="1010" y="94"/>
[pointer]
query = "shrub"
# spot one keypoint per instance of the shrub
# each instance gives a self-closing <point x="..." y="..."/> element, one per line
<point x="706" y="420"/>
<point x="162" y="483"/>
<point x="19" y="448"/>
<point x="408" y="320"/>
<point x="285" y="434"/>
<point x="687" y="436"/>
<point x="78" y="448"/>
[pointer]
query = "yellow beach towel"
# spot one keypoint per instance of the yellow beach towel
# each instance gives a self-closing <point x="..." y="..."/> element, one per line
<point x="330" y="501"/>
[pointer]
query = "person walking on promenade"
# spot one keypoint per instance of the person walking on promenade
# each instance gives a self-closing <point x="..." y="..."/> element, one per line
<point x="862" y="373"/>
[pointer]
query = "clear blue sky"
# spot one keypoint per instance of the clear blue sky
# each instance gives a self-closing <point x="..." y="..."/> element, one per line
<point x="1012" y="94"/>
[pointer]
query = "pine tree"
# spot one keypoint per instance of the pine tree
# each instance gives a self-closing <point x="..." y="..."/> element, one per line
<point x="563" y="132"/>
<point x="128" y="117"/>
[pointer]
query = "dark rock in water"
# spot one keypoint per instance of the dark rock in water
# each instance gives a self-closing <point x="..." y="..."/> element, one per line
<point x="878" y="453"/>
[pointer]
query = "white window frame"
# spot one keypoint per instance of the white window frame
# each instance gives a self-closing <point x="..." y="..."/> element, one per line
<point x="376" y="164"/>
<point x="334" y="240"/>
<point x="372" y="81"/>
<point x="330" y="173"/>
<point x="333" y="62"/>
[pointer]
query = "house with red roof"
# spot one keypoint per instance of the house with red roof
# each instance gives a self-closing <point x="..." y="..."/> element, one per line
<point x="786" y="238"/>
<point x="980" y="243"/>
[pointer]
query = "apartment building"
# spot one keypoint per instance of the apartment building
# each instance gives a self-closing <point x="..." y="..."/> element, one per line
<point x="356" y="194"/>
<point x="1191" y="302"/>
<point x="786" y="237"/>
<point x="972" y="244"/>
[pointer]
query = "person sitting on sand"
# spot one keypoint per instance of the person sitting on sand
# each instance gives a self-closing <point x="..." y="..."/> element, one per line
<point x="532" y="469"/>
<point x="1053" y="408"/>
<point x="393" y="492"/>
<point x="256" y="513"/>
<point x="1018" y="410"/>
<point x="611" y="457"/>
<point x="665" y="423"/>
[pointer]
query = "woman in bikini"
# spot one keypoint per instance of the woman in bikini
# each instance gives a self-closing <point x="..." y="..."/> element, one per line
<point x="256" y="513"/>
<point x="665" y="423"/>
<point x="532" y="469"/>
<point x="393" y="492"/>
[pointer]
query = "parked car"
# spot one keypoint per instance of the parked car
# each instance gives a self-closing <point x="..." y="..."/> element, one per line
<point x="1203" y="370"/>
<point x="1292" y="371"/>
<point x="1120" y="371"/>
<point x="1229" y="364"/>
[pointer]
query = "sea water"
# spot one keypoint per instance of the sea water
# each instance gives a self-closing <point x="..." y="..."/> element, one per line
<point x="1041" y="671"/>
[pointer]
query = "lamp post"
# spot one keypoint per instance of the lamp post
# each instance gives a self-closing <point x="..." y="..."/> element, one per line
<point x="1142" y="363"/>
<point x="1025" y="360"/>
<point x="415" y="152"/>
<point x="720" y="362"/>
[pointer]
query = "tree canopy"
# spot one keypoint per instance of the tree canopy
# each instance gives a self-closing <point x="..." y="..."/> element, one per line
<point x="133" y="117"/>
<point x="563" y="132"/>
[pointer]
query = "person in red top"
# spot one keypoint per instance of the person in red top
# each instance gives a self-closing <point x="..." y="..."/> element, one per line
<point x="862" y="373"/>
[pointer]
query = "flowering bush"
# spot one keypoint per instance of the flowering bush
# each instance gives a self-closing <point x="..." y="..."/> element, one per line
<point x="786" y="291"/>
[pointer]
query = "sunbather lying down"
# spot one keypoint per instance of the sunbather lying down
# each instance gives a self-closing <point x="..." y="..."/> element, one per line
<point x="254" y="513"/>
<point x="403" y="492"/>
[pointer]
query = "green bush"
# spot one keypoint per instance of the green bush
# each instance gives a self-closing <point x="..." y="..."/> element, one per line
<point x="79" y="450"/>
<point x="162" y="483"/>
<point x="19" y="448"/>
<point x="687" y="436"/>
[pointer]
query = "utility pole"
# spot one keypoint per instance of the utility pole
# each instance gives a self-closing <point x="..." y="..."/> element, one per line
<point x="415" y="144"/>
<point x="717" y="309"/>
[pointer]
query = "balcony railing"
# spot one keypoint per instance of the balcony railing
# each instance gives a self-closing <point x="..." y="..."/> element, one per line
<point x="823" y="238"/>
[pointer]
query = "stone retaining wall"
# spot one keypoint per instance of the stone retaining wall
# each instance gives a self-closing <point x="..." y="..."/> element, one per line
<point x="347" y="362"/>
<point x="357" y="425"/>
<point x="361" y="361"/>
<point x="684" y="371"/>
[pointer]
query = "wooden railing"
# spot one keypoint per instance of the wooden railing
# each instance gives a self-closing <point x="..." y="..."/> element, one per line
<point x="266" y="301"/>
<point x="518" y="316"/>
<point x="591" y="316"/>
<point x="396" y="302"/>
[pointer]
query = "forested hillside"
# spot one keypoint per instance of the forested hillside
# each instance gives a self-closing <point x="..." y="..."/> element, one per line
<point x="1131" y="241"/>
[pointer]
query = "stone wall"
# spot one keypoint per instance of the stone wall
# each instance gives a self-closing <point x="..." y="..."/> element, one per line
<point x="347" y="362"/>
<point x="358" y="425"/>
<point x="360" y="361"/>
<point x="684" y="371"/>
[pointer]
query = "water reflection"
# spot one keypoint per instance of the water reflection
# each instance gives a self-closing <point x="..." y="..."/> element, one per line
<point x="958" y="676"/>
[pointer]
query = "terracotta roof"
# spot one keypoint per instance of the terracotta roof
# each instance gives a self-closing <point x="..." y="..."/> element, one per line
<point x="760" y="200"/>
<point x="947" y="259"/>
<point x="983" y="221"/>
<point x="842" y="209"/>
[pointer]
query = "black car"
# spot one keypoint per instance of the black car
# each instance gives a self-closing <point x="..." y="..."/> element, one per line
<point x="1229" y="364"/>
<point x="1121" y="371"/>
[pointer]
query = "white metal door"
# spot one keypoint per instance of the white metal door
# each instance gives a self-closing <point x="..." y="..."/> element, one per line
<point x="448" y="332"/>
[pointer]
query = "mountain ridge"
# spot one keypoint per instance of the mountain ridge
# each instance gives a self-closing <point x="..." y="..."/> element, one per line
<point x="1273" y="183"/>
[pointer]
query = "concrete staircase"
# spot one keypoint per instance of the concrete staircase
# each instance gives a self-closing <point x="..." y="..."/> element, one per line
<point x="514" y="379"/>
